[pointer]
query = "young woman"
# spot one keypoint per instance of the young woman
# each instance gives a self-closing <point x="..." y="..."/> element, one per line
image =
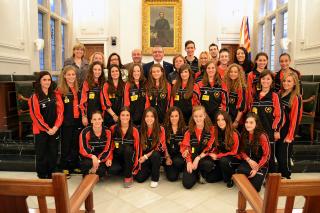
<point x="158" y="91"/>
<point x="225" y="147"/>
<point x="90" y="95"/>
<point x="152" y="143"/>
<point x="126" y="147"/>
<point x="235" y="86"/>
<point x="261" y="63"/>
<point x="254" y="151"/>
<point x="70" y="129"/>
<point x="46" y="111"/>
<point x="112" y="96"/>
<point x="224" y="58"/>
<point x="242" y="58"/>
<point x="175" y="128"/>
<point x="135" y="93"/>
<point x="79" y="62"/>
<point x="177" y="61"/>
<point x="95" y="147"/>
<point x="284" y="61"/>
<point x="266" y="104"/>
<point x="292" y="103"/>
<point x="212" y="96"/>
<point x="196" y="144"/>
<point x="97" y="56"/>
<point x="204" y="57"/>
<point x="114" y="59"/>
<point x="184" y="93"/>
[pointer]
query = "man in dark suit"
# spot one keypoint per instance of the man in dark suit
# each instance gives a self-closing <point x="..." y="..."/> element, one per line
<point x="158" y="53"/>
<point x="136" y="55"/>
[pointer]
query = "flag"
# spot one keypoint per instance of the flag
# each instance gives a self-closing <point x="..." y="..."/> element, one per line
<point x="245" y="35"/>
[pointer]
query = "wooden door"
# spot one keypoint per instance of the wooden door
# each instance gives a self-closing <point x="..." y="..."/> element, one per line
<point x="91" y="48"/>
<point x="232" y="49"/>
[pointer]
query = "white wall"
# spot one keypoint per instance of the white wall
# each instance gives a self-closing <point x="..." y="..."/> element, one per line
<point x="304" y="31"/>
<point x="17" y="50"/>
<point x="204" y="21"/>
<point x="94" y="21"/>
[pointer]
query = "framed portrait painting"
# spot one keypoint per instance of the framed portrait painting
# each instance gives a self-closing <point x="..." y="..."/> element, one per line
<point x="161" y="25"/>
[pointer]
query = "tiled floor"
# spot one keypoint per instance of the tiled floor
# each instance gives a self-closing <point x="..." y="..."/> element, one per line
<point x="110" y="196"/>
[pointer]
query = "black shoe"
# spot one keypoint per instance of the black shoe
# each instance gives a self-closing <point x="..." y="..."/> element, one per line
<point x="230" y="184"/>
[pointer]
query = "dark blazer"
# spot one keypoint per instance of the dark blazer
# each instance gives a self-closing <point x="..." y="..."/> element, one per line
<point x="167" y="67"/>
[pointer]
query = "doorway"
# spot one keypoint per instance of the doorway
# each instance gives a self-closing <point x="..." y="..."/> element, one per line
<point x="92" y="48"/>
<point x="232" y="49"/>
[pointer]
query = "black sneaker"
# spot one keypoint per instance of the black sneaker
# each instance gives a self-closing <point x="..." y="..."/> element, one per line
<point x="230" y="184"/>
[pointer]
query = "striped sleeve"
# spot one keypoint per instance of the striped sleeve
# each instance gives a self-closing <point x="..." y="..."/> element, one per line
<point x="277" y="112"/>
<point x="35" y="114"/>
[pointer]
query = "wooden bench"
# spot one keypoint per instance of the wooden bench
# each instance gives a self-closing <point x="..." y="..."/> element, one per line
<point x="275" y="188"/>
<point x="13" y="194"/>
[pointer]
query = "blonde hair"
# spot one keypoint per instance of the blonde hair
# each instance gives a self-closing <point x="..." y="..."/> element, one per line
<point x="207" y="121"/>
<point x="79" y="46"/>
<point x="94" y="54"/>
<point x="239" y="82"/>
<point x="204" y="53"/>
<point x="296" y="89"/>
<point x="63" y="85"/>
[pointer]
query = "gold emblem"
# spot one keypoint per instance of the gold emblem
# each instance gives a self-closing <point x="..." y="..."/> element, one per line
<point x="216" y="94"/>
<point x="254" y="110"/>
<point x="192" y="149"/>
<point x="91" y="95"/>
<point x="205" y="141"/>
<point x="117" y="145"/>
<point x="232" y="100"/>
<point x="66" y="100"/>
<point x="205" y="97"/>
<point x="268" y="109"/>
<point x="143" y="94"/>
<point x="177" y="98"/>
<point x="134" y="97"/>
<point x="162" y="95"/>
<point x="112" y="95"/>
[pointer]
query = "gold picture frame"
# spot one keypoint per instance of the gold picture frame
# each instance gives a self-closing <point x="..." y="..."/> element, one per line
<point x="161" y="25"/>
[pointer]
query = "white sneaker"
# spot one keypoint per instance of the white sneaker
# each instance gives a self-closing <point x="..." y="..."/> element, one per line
<point x="202" y="180"/>
<point x="153" y="184"/>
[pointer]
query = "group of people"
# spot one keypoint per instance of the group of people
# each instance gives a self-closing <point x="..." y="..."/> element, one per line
<point x="199" y="118"/>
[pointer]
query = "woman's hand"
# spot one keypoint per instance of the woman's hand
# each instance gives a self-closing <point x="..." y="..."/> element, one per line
<point x="84" y="120"/>
<point x="168" y="161"/>
<point x="253" y="173"/>
<point x="189" y="167"/>
<point x="108" y="163"/>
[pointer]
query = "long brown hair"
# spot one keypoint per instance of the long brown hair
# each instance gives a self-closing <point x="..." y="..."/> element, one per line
<point x="63" y="85"/>
<point x="207" y="121"/>
<point x="152" y="82"/>
<point x="142" y="80"/>
<point x="118" y="127"/>
<point x="112" y="89"/>
<point x="296" y="88"/>
<point x="168" y="125"/>
<point x="239" y="83"/>
<point x="257" y="57"/>
<point x="190" y="82"/>
<point x="228" y="132"/>
<point x="90" y="78"/>
<point x="205" y="79"/>
<point x="258" y="131"/>
<point x="144" y="128"/>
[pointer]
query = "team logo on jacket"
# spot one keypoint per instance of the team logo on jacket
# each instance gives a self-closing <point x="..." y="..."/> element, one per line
<point x="216" y="94"/>
<point x="66" y="100"/>
<point x="268" y="109"/>
<point x="162" y="95"/>
<point x="254" y="110"/>
<point x="232" y="100"/>
<point x="143" y="94"/>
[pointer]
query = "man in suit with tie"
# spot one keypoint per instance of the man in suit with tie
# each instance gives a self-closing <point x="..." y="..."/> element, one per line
<point x="136" y="55"/>
<point x="158" y="53"/>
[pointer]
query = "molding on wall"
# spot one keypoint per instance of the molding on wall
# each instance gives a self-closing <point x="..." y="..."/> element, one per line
<point x="14" y="60"/>
<point x="308" y="60"/>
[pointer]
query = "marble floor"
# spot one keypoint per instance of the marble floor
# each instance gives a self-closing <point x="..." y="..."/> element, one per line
<point x="110" y="196"/>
